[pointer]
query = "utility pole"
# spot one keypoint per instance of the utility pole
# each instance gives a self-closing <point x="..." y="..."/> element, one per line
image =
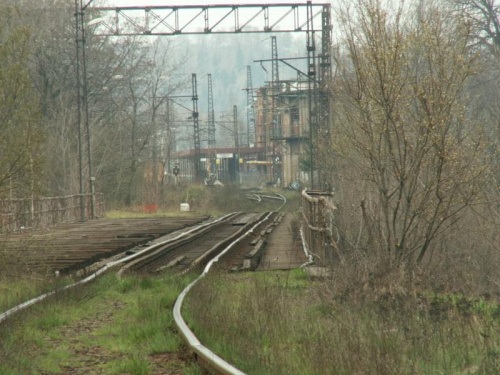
<point x="196" y="126"/>
<point x="275" y="85"/>
<point x="236" y="141"/>
<point x="169" y="140"/>
<point x="165" y="149"/>
<point x="275" y="77"/>
<point x="325" y="77"/>
<point x="211" y="127"/>
<point x="171" y="135"/>
<point x="211" y="115"/>
<point x="82" y="92"/>
<point x="79" y="40"/>
<point x="250" y="109"/>
<point x="264" y="126"/>
<point x="311" y="72"/>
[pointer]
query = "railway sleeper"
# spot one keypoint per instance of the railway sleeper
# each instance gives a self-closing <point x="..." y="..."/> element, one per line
<point x="202" y="260"/>
<point x="172" y="263"/>
<point x="252" y="259"/>
<point x="161" y="251"/>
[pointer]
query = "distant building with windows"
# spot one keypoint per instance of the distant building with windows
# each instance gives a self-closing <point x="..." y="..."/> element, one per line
<point x="283" y="135"/>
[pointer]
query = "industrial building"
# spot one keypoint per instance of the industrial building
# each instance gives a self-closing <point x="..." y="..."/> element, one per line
<point x="281" y="142"/>
<point x="226" y="164"/>
<point x="282" y="129"/>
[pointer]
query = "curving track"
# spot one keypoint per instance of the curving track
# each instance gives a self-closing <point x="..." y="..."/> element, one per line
<point x="232" y="242"/>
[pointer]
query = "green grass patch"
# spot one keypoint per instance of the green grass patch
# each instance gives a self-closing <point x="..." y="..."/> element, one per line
<point x="135" y="365"/>
<point x="111" y="326"/>
<point x="283" y="323"/>
<point x="16" y="291"/>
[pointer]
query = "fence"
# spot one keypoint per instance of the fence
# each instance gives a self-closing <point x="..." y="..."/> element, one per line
<point x="20" y="214"/>
<point x="317" y="212"/>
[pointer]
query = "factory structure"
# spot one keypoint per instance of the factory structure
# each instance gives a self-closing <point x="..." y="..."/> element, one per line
<point x="273" y="152"/>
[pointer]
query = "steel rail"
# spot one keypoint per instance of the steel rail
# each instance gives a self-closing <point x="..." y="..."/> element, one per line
<point x="213" y="360"/>
<point x="279" y="196"/>
<point x="106" y="268"/>
<point x="158" y="248"/>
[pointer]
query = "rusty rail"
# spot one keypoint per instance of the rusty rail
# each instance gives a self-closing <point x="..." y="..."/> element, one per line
<point x="317" y="214"/>
<point x="21" y="214"/>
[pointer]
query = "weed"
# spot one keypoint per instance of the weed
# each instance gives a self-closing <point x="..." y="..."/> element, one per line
<point x="7" y="370"/>
<point x="193" y="369"/>
<point x="282" y="323"/>
<point x="136" y="365"/>
<point x="49" y="322"/>
<point x="146" y="283"/>
<point x="126" y="285"/>
<point x="161" y="343"/>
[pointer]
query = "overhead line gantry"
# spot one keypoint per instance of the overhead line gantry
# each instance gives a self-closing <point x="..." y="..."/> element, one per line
<point x="215" y="19"/>
<point x="170" y="20"/>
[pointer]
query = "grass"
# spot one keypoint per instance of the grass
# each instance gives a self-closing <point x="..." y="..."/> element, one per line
<point x="137" y="365"/>
<point x="14" y="291"/>
<point x="111" y="326"/>
<point x="209" y="201"/>
<point x="283" y="323"/>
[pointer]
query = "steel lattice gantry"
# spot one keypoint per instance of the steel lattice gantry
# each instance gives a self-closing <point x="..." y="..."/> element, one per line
<point x="204" y="19"/>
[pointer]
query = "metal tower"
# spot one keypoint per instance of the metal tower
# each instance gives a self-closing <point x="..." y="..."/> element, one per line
<point x="83" y="105"/>
<point x="170" y="139"/>
<point x="275" y="85"/>
<point x="196" y="125"/>
<point x="236" y="140"/>
<point x="250" y="109"/>
<point x="275" y="123"/>
<point x="235" y="128"/>
<point x="211" y="115"/>
<point x="311" y="72"/>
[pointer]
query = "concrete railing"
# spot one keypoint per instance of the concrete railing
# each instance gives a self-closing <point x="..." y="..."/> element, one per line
<point x="317" y="214"/>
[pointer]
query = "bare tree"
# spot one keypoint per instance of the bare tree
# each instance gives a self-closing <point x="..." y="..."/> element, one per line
<point x="483" y="16"/>
<point x="409" y="155"/>
<point x="139" y="94"/>
<point x="20" y="136"/>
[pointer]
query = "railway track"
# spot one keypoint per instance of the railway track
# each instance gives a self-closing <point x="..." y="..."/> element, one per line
<point x="71" y="247"/>
<point x="180" y="254"/>
<point x="225" y="241"/>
